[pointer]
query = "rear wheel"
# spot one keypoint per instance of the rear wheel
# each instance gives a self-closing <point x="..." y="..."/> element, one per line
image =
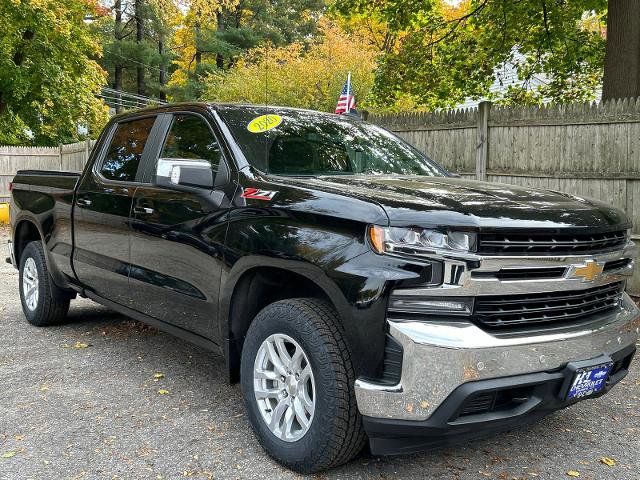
<point x="297" y="380"/>
<point x="43" y="303"/>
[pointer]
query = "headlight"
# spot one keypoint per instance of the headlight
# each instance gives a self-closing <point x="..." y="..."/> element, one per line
<point x="416" y="240"/>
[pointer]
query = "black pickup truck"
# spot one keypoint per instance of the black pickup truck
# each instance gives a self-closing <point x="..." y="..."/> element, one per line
<point x="357" y="290"/>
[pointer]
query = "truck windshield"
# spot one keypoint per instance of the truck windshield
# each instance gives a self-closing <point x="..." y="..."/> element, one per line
<point x="297" y="142"/>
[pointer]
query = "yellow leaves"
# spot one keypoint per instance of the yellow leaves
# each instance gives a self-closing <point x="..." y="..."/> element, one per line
<point x="573" y="473"/>
<point x="608" y="461"/>
<point x="156" y="378"/>
<point x="453" y="11"/>
<point x="9" y="454"/>
<point x="167" y="11"/>
<point x="44" y="388"/>
<point x="289" y="83"/>
<point x="77" y="345"/>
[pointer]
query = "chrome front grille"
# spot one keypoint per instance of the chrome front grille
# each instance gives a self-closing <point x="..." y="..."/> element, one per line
<point x="550" y="244"/>
<point x="561" y="307"/>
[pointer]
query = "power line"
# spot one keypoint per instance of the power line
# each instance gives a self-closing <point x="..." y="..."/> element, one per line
<point x="132" y="60"/>
<point x="113" y="102"/>
<point x="120" y="99"/>
<point x="132" y="95"/>
<point x="116" y="98"/>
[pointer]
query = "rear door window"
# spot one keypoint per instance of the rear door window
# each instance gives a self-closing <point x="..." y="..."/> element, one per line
<point x="125" y="150"/>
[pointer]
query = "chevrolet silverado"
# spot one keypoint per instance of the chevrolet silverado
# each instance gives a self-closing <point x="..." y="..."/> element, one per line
<point x="358" y="291"/>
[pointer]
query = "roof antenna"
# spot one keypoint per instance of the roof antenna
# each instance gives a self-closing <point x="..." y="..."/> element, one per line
<point x="266" y="101"/>
<point x="266" y="73"/>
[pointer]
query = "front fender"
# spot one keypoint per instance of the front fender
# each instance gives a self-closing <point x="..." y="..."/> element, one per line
<point x="330" y="252"/>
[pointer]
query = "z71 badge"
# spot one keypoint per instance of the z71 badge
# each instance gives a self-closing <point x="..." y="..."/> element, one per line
<point x="257" y="194"/>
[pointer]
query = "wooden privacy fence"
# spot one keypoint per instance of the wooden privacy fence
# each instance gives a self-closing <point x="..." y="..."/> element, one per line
<point x="71" y="157"/>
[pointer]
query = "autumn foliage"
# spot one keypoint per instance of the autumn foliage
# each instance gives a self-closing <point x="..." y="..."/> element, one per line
<point x="298" y="75"/>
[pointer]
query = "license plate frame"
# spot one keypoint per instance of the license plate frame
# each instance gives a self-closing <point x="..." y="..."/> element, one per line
<point x="589" y="380"/>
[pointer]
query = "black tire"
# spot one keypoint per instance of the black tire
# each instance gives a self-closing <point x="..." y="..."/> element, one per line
<point x="52" y="304"/>
<point x="335" y="434"/>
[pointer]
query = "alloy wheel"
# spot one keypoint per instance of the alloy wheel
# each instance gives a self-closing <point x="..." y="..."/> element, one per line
<point x="284" y="387"/>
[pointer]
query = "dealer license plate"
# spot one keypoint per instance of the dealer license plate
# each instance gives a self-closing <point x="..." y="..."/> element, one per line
<point x="589" y="381"/>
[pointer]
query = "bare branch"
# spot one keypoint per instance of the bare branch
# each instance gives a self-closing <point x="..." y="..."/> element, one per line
<point x="458" y="21"/>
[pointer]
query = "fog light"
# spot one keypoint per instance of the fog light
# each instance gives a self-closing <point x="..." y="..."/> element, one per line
<point x="461" y="306"/>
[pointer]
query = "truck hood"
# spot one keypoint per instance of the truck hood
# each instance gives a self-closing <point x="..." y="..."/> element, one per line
<point x="447" y="201"/>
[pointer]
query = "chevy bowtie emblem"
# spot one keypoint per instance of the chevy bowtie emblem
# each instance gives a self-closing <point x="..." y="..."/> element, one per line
<point x="589" y="271"/>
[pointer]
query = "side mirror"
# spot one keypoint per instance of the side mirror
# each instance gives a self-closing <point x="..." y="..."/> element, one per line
<point x="177" y="172"/>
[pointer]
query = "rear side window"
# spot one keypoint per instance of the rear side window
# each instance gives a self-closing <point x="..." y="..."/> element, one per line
<point x="125" y="150"/>
<point x="190" y="139"/>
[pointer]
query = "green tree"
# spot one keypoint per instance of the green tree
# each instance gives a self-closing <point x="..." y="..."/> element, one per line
<point x="217" y="33"/>
<point x="441" y="54"/>
<point x="48" y="78"/>
<point x="137" y="37"/>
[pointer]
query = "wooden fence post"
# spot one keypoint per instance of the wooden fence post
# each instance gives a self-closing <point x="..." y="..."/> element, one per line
<point x="482" y="140"/>
<point x="87" y="151"/>
<point x="60" y="156"/>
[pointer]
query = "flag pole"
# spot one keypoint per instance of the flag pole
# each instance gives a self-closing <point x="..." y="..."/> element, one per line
<point x="348" y="90"/>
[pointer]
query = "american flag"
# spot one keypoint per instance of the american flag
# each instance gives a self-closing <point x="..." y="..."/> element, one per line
<point x="347" y="100"/>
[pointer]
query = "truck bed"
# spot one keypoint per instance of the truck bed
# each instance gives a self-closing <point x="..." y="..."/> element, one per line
<point x="45" y="198"/>
<point x="45" y="178"/>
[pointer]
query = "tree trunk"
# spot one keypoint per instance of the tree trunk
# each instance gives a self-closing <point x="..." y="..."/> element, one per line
<point x="198" y="56"/>
<point x="139" y="39"/>
<point x="622" y="59"/>
<point x="219" y="57"/>
<point x="162" y="78"/>
<point x="117" y="69"/>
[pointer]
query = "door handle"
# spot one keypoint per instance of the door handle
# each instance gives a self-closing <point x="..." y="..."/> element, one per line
<point x="143" y="210"/>
<point x="84" y="202"/>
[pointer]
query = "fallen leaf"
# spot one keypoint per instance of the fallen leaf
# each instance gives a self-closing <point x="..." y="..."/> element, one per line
<point x="8" y="454"/>
<point x="81" y="345"/>
<point x="44" y="388"/>
<point x="162" y="391"/>
<point x="573" y="473"/>
<point x="608" y="461"/>
<point x="158" y="376"/>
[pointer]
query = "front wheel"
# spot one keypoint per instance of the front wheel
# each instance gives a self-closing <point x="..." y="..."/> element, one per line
<point x="43" y="303"/>
<point x="297" y="380"/>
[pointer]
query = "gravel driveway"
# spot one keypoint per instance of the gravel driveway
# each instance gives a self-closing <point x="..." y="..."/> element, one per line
<point x="107" y="397"/>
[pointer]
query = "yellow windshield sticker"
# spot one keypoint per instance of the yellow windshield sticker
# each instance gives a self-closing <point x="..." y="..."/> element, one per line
<point x="263" y="123"/>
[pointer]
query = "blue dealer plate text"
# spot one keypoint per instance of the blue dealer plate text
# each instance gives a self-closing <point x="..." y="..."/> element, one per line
<point x="589" y="381"/>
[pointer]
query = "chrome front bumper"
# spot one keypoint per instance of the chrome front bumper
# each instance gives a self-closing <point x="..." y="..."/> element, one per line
<point x="441" y="355"/>
<point x="438" y="357"/>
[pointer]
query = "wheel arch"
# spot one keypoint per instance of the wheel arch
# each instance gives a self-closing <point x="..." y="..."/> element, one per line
<point x="28" y="229"/>
<point x="25" y="231"/>
<point x="257" y="282"/>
